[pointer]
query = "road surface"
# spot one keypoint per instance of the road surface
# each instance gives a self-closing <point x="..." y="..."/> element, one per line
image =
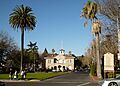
<point x="72" y="79"/>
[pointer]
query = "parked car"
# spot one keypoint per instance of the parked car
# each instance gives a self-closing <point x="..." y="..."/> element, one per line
<point x="118" y="70"/>
<point x="110" y="82"/>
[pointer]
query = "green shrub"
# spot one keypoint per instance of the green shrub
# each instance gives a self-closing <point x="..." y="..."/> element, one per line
<point x="110" y="75"/>
<point x="93" y="69"/>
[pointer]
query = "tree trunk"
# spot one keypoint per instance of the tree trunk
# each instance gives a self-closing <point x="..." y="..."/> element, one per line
<point x="98" y="56"/>
<point x="34" y="60"/>
<point x="22" y="48"/>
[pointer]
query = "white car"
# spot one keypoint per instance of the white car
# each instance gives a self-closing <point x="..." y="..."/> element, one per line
<point x="110" y="82"/>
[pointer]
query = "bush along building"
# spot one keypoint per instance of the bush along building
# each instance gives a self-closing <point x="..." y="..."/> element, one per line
<point x="60" y="62"/>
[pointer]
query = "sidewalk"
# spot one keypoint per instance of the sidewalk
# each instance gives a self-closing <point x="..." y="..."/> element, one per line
<point x="94" y="78"/>
<point x="20" y="80"/>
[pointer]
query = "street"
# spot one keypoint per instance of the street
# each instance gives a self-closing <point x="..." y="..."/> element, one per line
<point x="72" y="79"/>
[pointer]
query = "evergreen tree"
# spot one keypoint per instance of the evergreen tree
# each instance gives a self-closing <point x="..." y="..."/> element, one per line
<point x="45" y="53"/>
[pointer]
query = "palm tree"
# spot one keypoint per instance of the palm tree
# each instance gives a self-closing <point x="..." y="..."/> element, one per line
<point x="23" y="18"/>
<point x="33" y="48"/>
<point x="89" y="12"/>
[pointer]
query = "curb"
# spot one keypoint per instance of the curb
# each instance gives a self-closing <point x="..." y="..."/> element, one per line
<point x="94" y="78"/>
<point x="19" y="80"/>
<point x="34" y="80"/>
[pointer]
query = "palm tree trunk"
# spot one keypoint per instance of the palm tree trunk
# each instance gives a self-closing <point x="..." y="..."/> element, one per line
<point x="34" y="61"/>
<point x="22" y="48"/>
<point x="98" y="56"/>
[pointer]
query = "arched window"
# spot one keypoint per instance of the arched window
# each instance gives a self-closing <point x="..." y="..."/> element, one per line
<point x="55" y="60"/>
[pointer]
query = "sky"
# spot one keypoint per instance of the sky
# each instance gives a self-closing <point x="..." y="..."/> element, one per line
<point x="58" y="25"/>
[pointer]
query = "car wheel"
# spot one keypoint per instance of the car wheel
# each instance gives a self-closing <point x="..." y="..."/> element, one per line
<point x="112" y="84"/>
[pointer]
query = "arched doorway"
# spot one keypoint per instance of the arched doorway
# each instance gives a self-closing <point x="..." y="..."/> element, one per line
<point x="55" y="67"/>
<point x="63" y="68"/>
<point x="59" y="66"/>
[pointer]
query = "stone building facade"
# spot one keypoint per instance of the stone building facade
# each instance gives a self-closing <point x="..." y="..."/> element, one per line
<point x="61" y="62"/>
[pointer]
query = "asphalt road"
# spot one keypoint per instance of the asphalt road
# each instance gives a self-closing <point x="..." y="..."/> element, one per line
<point x="72" y="79"/>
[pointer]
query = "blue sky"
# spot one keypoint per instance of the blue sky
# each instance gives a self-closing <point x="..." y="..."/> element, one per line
<point x="57" y="20"/>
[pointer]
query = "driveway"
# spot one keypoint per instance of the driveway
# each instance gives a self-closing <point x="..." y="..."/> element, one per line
<point x="72" y="79"/>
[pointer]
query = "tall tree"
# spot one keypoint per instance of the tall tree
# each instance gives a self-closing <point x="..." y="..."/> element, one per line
<point x="89" y="12"/>
<point x="109" y="8"/>
<point x="8" y="47"/>
<point x="23" y="18"/>
<point x="108" y="44"/>
<point x="45" y="53"/>
<point x="110" y="11"/>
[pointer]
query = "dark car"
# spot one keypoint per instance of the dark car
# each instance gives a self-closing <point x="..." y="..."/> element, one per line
<point x="2" y="83"/>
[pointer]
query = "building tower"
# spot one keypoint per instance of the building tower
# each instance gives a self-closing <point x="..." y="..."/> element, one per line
<point x="62" y="52"/>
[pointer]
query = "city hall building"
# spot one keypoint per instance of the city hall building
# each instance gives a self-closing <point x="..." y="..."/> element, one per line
<point x="60" y="62"/>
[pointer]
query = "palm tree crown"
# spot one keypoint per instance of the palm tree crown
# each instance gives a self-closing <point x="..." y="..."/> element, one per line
<point x="96" y="27"/>
<point x="89" y="11"/>
<point x="33" y="47"/>
<point x="23" y="18"/>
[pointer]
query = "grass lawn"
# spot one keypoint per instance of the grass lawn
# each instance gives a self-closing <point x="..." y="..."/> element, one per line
<point x="37" y="75"/>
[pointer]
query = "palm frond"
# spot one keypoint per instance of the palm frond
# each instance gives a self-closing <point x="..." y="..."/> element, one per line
<point x="89" y="11"/>
<point x="22" y="17"/>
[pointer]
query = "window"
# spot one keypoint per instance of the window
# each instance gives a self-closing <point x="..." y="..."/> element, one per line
<point x="60" y="61"/>
<point x="49" y="60"/>
<point x="64" y="61"/>
<point x="55" y="60"/>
